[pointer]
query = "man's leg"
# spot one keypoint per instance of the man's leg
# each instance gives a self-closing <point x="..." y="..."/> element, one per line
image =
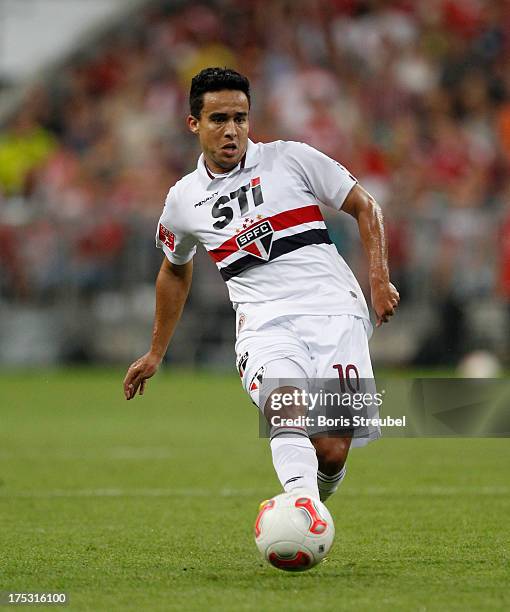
<point x="271" y="361"/>
<point x="332" y="456"/>
<point x="340" y="344"/>
<point x="294" y="456"/>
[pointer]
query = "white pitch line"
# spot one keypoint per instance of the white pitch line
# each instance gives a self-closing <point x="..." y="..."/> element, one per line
<point x="129" y="493"/>
<point x="116" y="453"/>
<point x="365" y="492"/>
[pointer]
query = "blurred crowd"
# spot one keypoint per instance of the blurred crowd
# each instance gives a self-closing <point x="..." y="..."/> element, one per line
<point x="413" y="97"/>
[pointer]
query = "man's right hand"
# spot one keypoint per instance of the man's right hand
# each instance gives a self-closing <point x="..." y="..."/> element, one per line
<point x="138" y="373"/>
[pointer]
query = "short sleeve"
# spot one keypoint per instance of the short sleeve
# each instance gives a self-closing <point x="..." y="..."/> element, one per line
<point x="327" y="179"/>
<point x="176" y="242"/>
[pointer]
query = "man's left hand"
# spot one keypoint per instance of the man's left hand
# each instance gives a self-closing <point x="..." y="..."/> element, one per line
<point x="385" y="299"/>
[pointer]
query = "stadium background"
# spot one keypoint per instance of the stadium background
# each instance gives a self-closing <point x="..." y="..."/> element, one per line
<point x="412" y="97"/>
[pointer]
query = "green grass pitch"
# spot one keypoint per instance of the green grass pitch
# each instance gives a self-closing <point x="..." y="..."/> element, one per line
<point x="149" y="505"/>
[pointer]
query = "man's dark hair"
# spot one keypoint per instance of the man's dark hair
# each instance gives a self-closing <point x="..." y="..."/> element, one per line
<point x="215" y="79"/>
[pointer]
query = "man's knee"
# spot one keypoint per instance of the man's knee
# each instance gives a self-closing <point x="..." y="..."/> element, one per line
<point x="285" y="404"/>
<point x="331" y="453"/>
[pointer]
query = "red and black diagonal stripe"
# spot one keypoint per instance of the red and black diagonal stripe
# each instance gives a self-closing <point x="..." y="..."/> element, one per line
<point x="285" y="244"/>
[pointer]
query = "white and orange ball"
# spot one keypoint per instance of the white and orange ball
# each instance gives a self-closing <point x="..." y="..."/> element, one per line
<point x="294" y="531"/>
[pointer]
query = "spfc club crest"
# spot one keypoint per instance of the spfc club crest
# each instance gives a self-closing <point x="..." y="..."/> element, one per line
<point x="241" y="363"/>
<point x="257" y="240"/>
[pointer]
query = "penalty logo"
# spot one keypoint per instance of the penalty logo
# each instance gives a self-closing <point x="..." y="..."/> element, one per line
<point x="257" y="240"/>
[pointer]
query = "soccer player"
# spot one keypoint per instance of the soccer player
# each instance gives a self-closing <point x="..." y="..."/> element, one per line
<point x="300" y="313"/>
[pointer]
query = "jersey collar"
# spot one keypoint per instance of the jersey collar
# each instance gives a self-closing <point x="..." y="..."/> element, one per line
<point x="249" y="159"/>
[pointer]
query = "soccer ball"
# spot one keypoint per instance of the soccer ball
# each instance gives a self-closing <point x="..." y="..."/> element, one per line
<point x="294" y="531"/>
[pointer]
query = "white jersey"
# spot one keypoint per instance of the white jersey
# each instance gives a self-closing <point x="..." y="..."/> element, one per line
<point x="262" y="225"/>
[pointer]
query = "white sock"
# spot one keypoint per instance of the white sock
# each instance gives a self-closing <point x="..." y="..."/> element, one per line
<point x="295" y="462"/>
<point x="329" y="484"/>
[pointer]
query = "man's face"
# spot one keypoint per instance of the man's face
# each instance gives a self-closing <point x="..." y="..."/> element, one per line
<point x="222" y="128"/>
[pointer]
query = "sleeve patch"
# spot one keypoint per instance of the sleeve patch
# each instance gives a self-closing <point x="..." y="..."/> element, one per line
<point x="167" y="237"/>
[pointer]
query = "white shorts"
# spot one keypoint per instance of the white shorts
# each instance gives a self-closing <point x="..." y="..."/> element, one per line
<point x="305" y="347"/>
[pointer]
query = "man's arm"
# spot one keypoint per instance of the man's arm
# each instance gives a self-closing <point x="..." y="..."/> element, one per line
<point x="362" y="206"/>
<point x="172" y="287"/>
